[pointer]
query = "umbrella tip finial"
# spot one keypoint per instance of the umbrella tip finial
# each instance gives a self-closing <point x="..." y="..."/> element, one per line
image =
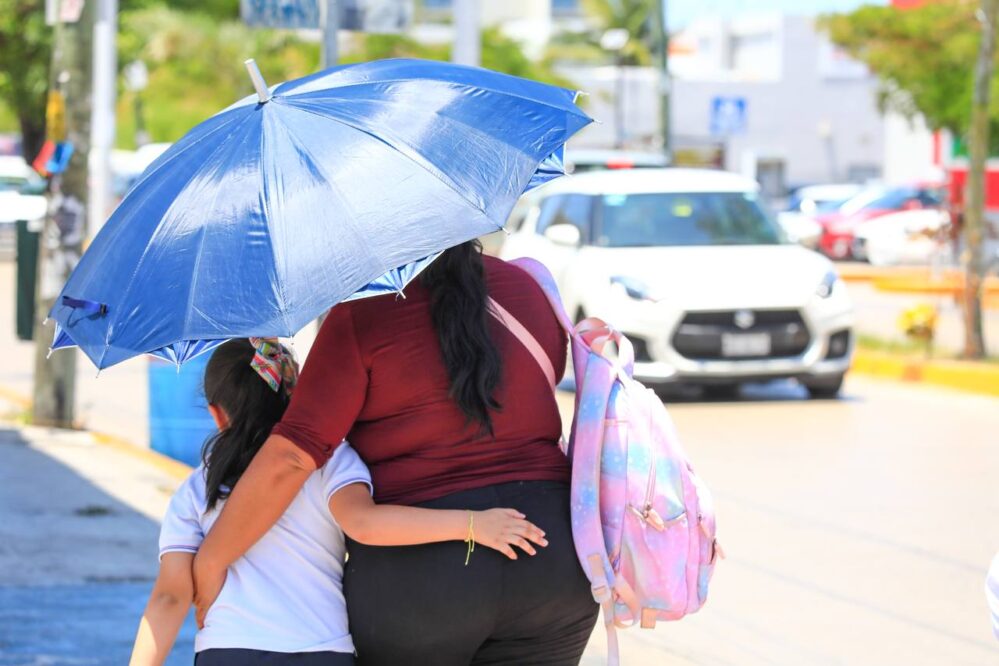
<point x="259" y="84"/>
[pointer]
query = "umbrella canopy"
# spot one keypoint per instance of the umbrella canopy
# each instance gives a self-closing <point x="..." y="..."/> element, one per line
<point x="340" y="184"/>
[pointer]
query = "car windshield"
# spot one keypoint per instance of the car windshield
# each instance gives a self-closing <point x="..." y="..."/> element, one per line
<point x="830" y="205"/>
<point x="890" y="199"/>
<point x="684" y="219"/>
<point x="12" y="183"/>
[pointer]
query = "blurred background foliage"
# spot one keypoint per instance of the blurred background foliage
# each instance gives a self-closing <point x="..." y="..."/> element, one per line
<point x="194" y="51"/>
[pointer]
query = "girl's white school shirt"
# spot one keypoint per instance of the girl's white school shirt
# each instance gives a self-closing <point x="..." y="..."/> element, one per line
<point x="286" y="593"/>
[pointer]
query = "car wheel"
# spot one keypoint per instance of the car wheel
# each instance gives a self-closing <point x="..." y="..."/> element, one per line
<point x="824" y="388"/>
<point x="721" y="391"/>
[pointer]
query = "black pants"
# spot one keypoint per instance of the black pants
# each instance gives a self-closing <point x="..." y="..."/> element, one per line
<point x="239" y="657"/>
<point x="422" y="605"/>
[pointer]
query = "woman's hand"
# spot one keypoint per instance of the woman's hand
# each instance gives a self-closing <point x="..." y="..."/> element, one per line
<point x="501" y="529"/>
<point x="208" y="582"/>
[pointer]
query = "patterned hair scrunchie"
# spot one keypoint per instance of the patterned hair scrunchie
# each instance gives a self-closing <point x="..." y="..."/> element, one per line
<point x="274" y="364"/>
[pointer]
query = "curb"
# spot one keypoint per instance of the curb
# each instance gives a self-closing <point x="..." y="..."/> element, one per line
<point x="173" y="468"/>
<point x="971" y="377"/>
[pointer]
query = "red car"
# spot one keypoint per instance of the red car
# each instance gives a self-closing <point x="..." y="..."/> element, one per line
<point x="839" y="227"/>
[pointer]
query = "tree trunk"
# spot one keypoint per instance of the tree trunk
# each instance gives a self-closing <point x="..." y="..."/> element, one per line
<point x="62" y="236"/>
<point x="974" y="220"/>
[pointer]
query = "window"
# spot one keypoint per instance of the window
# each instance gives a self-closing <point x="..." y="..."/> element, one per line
<point x="574" y="209"/>
<point x="680" y="219"/>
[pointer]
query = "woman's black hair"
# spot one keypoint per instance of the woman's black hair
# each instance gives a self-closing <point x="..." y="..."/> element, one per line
<point x="253" y="408"/>
<point x="458" y="308"/>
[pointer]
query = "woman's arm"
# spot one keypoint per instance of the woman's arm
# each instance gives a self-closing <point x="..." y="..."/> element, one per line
<point x="389" y="525"/>
<point x="261" y="496"/>
<point x="165" y="612"/>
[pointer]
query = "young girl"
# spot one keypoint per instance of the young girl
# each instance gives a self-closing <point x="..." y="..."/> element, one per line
<point x="282" y="602"/>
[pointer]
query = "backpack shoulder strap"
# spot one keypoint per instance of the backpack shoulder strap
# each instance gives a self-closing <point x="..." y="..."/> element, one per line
<point x="546" y="281"/>
<point x="526" y="338"/>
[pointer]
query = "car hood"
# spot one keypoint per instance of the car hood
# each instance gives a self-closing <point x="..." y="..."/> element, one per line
<point x="15" y="206"/>
<point x="716" y="277"/>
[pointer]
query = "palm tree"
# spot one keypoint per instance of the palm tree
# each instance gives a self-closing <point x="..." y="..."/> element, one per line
<point x="634" y="16"/>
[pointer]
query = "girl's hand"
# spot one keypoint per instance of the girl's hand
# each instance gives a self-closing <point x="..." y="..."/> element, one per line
<point x="501" y="529"/>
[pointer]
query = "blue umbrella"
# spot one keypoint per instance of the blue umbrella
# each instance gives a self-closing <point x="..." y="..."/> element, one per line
<point x="342" y="184"/>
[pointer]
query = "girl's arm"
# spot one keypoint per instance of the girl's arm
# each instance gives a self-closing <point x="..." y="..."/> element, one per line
<point x="168" y="605"/>
<point x="389" y="525"/>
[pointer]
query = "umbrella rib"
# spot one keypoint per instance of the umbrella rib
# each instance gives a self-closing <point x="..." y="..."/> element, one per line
<point x="572" y="108"/>
<point x="434" y="172"/>
<point x="266" y="211"/>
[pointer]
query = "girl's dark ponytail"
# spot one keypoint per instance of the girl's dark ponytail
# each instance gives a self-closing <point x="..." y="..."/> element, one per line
<point x="253" y="408"/>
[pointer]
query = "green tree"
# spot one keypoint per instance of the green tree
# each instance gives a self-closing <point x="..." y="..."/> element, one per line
<point x="925" y="58"/>
<point x="25" y="54"/>
<point x="634" y="16"/>
<point x="196" y="66"/>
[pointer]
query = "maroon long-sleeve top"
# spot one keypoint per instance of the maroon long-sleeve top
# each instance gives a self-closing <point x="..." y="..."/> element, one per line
<point x="376" y="377"/>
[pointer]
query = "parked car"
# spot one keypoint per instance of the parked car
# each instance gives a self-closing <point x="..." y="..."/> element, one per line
<point x="686" y="264"/>
<point x="21" y="191"/>
<point x="839" y="228"/>
<point x="805" y="203"/>
<point x="583" y="160"/>
<point x="908" y="237"/>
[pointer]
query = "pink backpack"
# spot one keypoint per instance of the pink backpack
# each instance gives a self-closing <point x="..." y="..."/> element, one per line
<point x="642" y="522"/>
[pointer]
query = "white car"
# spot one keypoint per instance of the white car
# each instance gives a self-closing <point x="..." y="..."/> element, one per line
<point x="17" y="179"/>
<point x="907" y="237"/>
<point x="688" y="266"/>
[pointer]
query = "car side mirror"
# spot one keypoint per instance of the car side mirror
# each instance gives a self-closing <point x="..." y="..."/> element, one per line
<point x="566" y="235"/>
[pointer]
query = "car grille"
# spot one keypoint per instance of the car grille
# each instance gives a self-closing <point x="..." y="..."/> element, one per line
<point x="699" y="335"/>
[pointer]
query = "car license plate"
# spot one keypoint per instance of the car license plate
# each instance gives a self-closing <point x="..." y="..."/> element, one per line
<point x="745" y="344"/>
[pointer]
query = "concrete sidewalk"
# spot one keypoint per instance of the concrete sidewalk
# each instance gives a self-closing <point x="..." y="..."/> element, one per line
<point x="79" y="525"/>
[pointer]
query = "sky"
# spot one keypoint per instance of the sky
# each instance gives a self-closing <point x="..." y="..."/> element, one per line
<point x="682" y="11"/>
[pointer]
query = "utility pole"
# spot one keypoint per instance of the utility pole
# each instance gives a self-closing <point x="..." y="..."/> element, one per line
<point x="330" y="16"/>
<point x="65" y="225"/>
<point x="467" y="40"/>
<point x="974" y="219"/>
<point x="660" y="33"/>
<point x="105" y="75"/>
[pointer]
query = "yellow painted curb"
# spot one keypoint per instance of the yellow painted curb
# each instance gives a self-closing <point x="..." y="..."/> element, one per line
<point x="868" y="273"/>
<point x="982" y="378"/>
<point x="14" y="397"/>
<point x="173" y="468"/>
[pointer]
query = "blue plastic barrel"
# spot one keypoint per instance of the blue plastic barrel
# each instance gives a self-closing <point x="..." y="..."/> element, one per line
<point x="179" y="422"/>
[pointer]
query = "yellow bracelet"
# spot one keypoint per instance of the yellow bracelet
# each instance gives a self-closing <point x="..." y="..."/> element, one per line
<point x="470" y="540"/>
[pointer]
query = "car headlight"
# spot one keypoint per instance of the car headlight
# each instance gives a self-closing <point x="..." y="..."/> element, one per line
<point x="827" y="285"/>
<point x="633" y="287"/>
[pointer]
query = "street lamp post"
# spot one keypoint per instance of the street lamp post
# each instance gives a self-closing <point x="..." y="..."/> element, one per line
<point x="136" y="80"/>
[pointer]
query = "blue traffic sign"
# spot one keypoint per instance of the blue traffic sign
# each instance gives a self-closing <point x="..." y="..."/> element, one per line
<point x="360" y="15"/>
<point x="288" y="14"/>
<point x="728" y="115"/>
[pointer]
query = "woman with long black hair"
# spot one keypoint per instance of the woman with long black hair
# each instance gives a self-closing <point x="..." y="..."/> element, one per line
<point x="448" y="410"/>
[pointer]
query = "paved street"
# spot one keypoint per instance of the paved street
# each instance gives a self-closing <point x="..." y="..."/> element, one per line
<point x="857" y="532"/>
<point x="78" y="543"/>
